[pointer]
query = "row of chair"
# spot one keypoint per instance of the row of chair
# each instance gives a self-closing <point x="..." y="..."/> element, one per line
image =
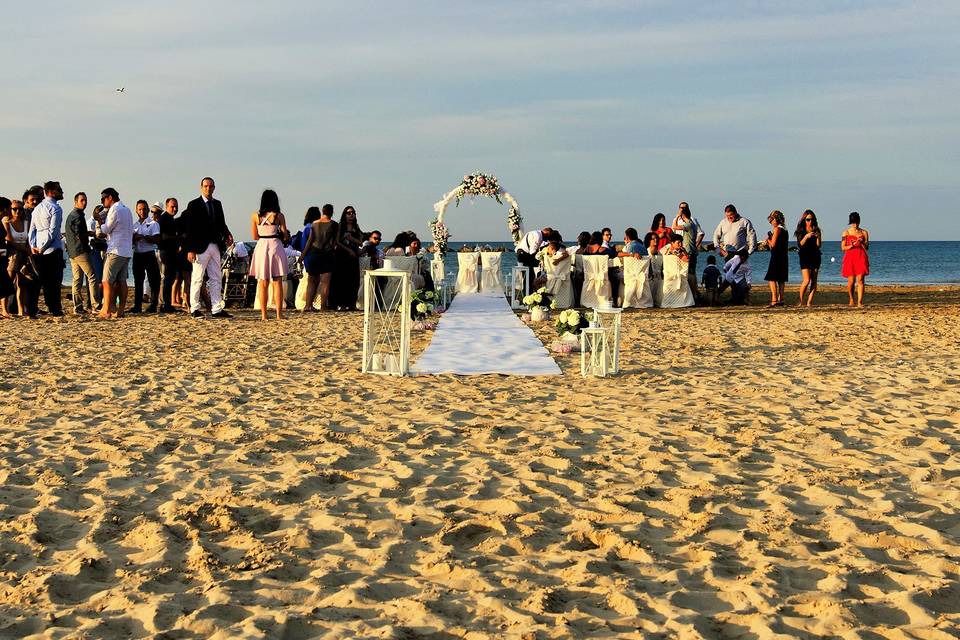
<point x="467" y="265"/>
<point x="650" y="281"/>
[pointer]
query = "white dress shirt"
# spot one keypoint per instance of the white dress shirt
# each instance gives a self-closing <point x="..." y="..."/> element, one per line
<point x="119" y="229"/>
<point x="45" y="226"/>
<point x="146" y="228"/>
<point x="736" y="235"/>
<point x="531" y="242"/>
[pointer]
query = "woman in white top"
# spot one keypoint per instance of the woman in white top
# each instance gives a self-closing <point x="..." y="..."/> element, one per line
<point x="18" y="254"/>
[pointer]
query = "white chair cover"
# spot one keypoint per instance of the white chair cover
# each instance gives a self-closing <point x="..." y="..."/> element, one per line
<point x="301" y="299"/>
<point x="490" y="276"/>
<point x="676" y="288"/>
<point x="364" y="267"/>
<point x="636" y="287"/>
<point x="655" y="278"/>
<point x="559" y="283"/>
<point x="438" y="271"/>
<point x="411" y="265"/>
<point x="467" y="272"/>
<point x="596" y="282"/>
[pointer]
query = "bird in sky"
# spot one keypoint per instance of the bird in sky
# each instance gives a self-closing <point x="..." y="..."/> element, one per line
<point x="120" y="90"/>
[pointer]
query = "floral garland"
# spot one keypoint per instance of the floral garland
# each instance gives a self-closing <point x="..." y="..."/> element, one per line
<point x="474" y="184"/>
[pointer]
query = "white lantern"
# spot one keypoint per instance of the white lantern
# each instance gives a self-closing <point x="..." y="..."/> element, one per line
<point x="593" y="353"/>
<point x="386" y="322"/>
<point x="608" y="319"/>
<point x="520" y="278"/>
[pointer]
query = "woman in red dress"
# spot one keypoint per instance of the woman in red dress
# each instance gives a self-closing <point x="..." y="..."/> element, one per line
<point x="856" y="263"/>
<point x="659" y="227"/>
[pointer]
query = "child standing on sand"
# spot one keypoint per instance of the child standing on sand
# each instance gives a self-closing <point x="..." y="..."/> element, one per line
<point x="711" y="280"/>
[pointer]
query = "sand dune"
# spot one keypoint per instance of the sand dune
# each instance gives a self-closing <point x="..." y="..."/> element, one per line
<point x="751" y="474"/>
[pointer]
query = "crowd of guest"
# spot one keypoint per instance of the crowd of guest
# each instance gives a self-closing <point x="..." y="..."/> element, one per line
<point x="734" y="240"/>
<point x="179" y="255"/>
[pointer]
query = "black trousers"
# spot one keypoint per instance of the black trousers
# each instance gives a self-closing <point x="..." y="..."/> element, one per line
<point x="531" y="263"/>
<point x="170" y="261"/>
<point x="145" y="264"/>
<point x="50" y="270"/>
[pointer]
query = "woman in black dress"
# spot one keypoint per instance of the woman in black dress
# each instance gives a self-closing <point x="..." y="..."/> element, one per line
<point x="809" y="238"/>
<point x="346" y="273"/>
<point x="777" y="271"/>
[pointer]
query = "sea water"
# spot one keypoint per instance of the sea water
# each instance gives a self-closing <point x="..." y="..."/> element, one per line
<point x="891" y="262"/>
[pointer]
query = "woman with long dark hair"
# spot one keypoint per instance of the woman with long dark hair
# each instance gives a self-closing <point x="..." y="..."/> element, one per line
<point x="809" y="239"/>
<point x="319" y="256"/>
<point x="778" y="267"/>
<point x="660" y="228"/>
<point x="346" y="272"/>
<point x="269" y="261"/>
<point x="856" y="263"/>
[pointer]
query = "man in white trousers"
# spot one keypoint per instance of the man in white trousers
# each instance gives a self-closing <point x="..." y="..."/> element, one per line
<point x="205" y="238"/>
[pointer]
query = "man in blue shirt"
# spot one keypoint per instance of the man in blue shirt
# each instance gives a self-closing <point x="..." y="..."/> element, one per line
<point x="46" y="245"/>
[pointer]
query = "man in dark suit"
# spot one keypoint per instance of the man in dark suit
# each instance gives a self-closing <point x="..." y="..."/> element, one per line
<point x="205" y="237"/>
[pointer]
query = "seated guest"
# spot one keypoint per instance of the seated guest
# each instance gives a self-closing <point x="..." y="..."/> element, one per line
<point x="711" y="280"/>
<point x="583" y="240"/>
<point x="371" y="248"/>
<point x="400" y="244"/>
<point x="595" y="247"/>
<point x="632" y="245"/>
<point x="675" y="247"/>
<point x="655" y="270"/>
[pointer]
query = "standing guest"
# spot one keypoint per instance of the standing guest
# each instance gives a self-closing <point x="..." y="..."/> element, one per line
<point x="31" y="198"/>
<point x="98" y="241"/>
<point x="146" y="234"/>
<point x="778" y="268"/>
<point x="7" y="289"/>
<point x="345" y="282"/>
<point x="206" y="237"/>
<point x="118" y="226"/>
<point x="855" y="243"/>
<point x="17" y="232"/>
<point x="46" y="244"/>
<point x="155" y="211"/>
<point x="299" y="241"/>
<point x="809" y="238"/>
<point x="529" y="246"/>
<point x="659" y="227"/>
<point x="734" y="233"/>
<point x="319" y="256"/>
<point x="269" y="262"/>
<point x="689" y="227"/>
<point x="169" y="245"/>
<point x="711" y="280"/>
<point x="77" y="240"/>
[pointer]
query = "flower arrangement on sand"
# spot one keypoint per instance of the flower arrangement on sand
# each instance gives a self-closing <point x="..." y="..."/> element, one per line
<point x="571" y="321"/>
<point x="515" y="222"/>
<point x="539" y="299"/>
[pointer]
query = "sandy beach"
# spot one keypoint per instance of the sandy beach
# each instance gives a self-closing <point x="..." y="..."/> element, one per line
<point x="752" y="474"/>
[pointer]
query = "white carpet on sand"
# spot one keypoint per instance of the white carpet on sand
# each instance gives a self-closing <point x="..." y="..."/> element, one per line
<point x="479" y="334"/>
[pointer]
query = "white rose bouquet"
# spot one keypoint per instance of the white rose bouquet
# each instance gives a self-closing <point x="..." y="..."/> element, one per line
<point x="539" y="298"/>
<point x="571" y="321"/>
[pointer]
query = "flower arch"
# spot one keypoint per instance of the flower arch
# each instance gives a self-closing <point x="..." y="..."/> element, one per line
<point x="475" y="184"/>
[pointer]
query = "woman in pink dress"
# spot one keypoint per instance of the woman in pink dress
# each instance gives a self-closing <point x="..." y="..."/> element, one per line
<point x="269" y="262"/>
<point x="856" y="263"/>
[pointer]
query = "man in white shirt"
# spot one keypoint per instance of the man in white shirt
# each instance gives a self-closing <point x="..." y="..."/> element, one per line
<point x="146" y="234"/>
<point x="46" y="244"/>
<point x="734" y="234"/>
<point x="528" y="247"/>
<point x="118" y="225"/>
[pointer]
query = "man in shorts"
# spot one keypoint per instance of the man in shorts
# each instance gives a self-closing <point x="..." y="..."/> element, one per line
<point x="118" y="225"/>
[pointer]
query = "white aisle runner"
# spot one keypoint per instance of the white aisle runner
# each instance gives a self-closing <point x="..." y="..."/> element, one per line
<point x="481" y="334"/>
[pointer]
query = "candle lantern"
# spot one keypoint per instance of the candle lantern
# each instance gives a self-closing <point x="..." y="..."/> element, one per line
<point x="386" y="322"/>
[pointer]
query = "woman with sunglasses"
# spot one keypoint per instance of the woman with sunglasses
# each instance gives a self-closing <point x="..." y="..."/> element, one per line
<point x="346" y="273"/>
<point x="809" y="239"/>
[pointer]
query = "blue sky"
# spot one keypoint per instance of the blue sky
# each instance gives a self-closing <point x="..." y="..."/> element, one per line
<point x="591" y="113"/>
